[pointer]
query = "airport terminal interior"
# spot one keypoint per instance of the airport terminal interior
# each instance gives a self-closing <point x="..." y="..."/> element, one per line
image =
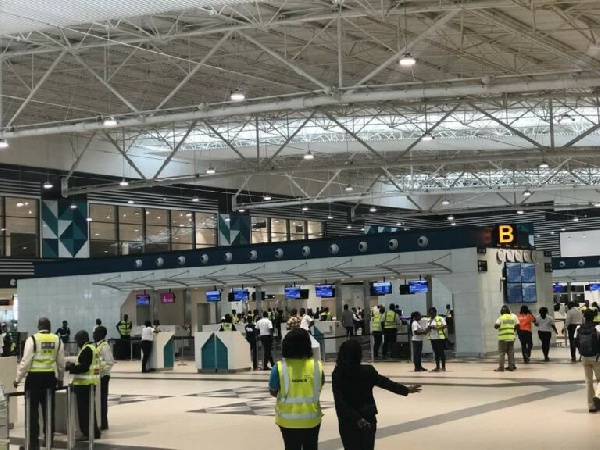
<point x="205" y="187"/>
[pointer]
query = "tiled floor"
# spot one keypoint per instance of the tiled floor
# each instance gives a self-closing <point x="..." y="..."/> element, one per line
<point x="540" y="406"/>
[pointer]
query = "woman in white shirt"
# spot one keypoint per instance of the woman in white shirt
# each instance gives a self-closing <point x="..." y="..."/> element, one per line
<point x="418" y="331"/>
<point x="147" y="342"/>
<point x="545" y="324"/>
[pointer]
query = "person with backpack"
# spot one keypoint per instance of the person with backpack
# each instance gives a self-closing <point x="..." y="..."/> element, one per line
<point x="587" y="339"/>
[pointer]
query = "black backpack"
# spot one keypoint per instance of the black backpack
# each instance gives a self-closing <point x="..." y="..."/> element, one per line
<point x="587" y="339"/>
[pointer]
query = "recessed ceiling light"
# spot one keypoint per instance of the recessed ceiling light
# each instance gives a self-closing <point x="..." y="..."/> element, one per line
<point x="110" y="121"/>
<point x="195" y="199"/>
<point x="584" y="236"/>
<point x="241" y="210"/>
<point x="238" y="95"/>
<point x="267" y="198"/>
<point x="309" y="156"/>
<point x="131" y="202"/>
<point x="30" y="212"/>
<point x="211" y="170"/>
<point x="597" y="204"/>
<point x="445" y="202"/>
<point x="158" y="217"/>
<point x="124" y="182"/>
<point x="305" y="208"/>
<point x="398" y="224"/>
<point x="372" y="209"/>
<point x="3" y="143"/>
<point x="575" y="219"/>
<point x="96" y="234"/>
<point x="188" y="214"/>
<point x="348" y="226"/>
<point x="520" y="211"/>
<point x="563" y="229"/>
<point x="450" y="217"/>
<point x="407" y="60"/>
<point x="89" y="219"/>
<point x="552" y="232"/>
<point x="48" y="185"/>
<point x="349" y="188"/>
<point x="527" y="193"/>
<point x="362" y="229"/>
<point x="544" y="165"/>
<point x="20" y="204"/>
<point x="227" y="219"/>
<point x="73" y="206"/>
<point x="329" y="217"/>
<point x="453" y="224"/>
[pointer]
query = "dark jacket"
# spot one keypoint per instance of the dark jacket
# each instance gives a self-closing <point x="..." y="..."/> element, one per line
<point x="84" y="361"/>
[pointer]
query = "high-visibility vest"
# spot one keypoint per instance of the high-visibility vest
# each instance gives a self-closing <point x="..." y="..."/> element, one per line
<point x="449" y="314"/>
<point x="440" y="330"/>
<point x="92" y="376"/>
<point x="376" y="322"/>
<point x="226" y="326"/>
<point x="103" y="366"/>
<point x="506" y="332"/>
<point x="124" y="328"/>
<point x="46" y="349"/>
<point x="389" y="319"/>
<point x="297" y="403"/>
<point x="597" y="318"/>
<point x="235" y="320"/>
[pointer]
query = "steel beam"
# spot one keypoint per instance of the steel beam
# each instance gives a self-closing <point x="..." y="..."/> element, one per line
<point x="226" y="141"/>
<point x="127" y="158"/>
<point x="174" y="151"/>
<point x="78" y="159"/>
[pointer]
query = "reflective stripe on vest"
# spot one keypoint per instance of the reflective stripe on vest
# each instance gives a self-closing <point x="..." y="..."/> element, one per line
<point x="390" y="319"/>
<point x="376" y="322"/>
<point x="124" y="328"/>
<point x="46" y="349"/>
<point x="506" y="332"/>
<point x="227" y="326"/>
<point x="440" y="331"/>
<point x="92" y="376"/>
<point x="299" y="391"/>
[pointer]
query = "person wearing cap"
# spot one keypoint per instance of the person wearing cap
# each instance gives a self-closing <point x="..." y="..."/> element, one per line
<point x="43" y="367"/>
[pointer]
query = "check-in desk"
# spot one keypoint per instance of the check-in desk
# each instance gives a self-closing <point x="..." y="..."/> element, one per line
<point x="325" y="333"/>
<point x="162" y="356"/>
<point x="222" y="351"/>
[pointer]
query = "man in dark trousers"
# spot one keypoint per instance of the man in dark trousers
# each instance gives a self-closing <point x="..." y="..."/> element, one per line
<point x="106" y="361"/>
<point x="43" y="364"/>
<point x="265" y="330"/>
<point x="390" y="322"/>
<point x="86" y="378"/>
<point x="124" y="328"/>
<point x="252" y="337"/>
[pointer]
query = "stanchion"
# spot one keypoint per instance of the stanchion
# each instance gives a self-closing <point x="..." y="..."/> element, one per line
<point x="92" y="418"/>
<point x="49" y="419"/>
<point x="70" y="418"/>
<point x="27" y="418"/>
<point x="372" y="346"/>
<point x="181" y="363"/>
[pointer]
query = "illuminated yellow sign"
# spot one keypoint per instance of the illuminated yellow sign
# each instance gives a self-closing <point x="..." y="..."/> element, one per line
<point x="506" y="234"/>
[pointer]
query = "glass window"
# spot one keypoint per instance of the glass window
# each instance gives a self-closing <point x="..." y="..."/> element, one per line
<point x="206" y="230"/>
<point x="260" y="231"/>
<point x="182" y="227"/>
<point x="22" y="239"/>
<point x="315" y="230"/>
<point x="103" y="231"/>
<point x="278" y="230"/>
<point x="297" y="230"/>
<point x="157" y="230"/>
<point x="130" y="230"/>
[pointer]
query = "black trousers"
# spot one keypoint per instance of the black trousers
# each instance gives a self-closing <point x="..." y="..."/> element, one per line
<point x="353" y="438"/>
<point x="526" y="338"/>
<point x="37" y="384"/>
<point x="82" y="393"/>
<point x="124" y="348"/>
<point x="545" y="337"/>
<point x="104" y="401"/>
<point x="417" y="353"/>
<point x="571" y="332"/>
<point x="349" y="331"/>
<point x="301" y="438"/>
<point x="254" y="353"/>
<point x="377" y="339"/>
<point x="267" y="343"/>
<point x="439" y="350"/>
<point x="146" y="350"/>
<point x="389" y="338"/>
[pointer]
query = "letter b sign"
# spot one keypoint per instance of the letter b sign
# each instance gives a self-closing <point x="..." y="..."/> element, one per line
<point x="506" y="234"/>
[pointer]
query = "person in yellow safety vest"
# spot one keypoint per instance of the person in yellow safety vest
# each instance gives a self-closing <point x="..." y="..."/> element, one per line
<point x="227" y="324"/>
<point x="507" y="324"/>
<point x="595" y="306"/>
<point x="390" y="321"/>
<point x="123" y="348"/>
<point x="234" y="317"/>
<point x="86" y="377"/>
<point x="106" y="361"/>
<point x="437" y="335"/>
<point x="377" y="329"/>
<point x="43" y="364"/>
<point x="124" y="327"/>
<point x="296" y="382"/>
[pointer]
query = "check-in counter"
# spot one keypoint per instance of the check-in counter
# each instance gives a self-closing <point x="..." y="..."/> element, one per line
<point x="162" y="356"/>
<point x="325" y="332"/>
<point x="222" y="351"/>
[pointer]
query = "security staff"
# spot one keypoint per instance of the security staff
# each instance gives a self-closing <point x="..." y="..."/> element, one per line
<point x="106" y="361"/>
<point x="252" y="337"/>
<point x="234" y="317"/>
<point x="376" y="329"/>
<point x="43" y="363"/>
<point x="227" y="324"/>
<point x="390" y="321"/>
<point x="506" y="325"/>
<point x="437" y="335"/>
<point x="86" y="378"/>
<point x="124" y="328"/>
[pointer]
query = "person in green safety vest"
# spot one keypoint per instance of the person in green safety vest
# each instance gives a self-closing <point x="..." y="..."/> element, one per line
<point x="123" y="348"/>
<point x="437" y="335"/>
<point x="227" y="324"/>
<point x="86" y="378"/>
<point x="377" y="329"/>
<point x="597" y="317"/>
<point x="507" y="325"/>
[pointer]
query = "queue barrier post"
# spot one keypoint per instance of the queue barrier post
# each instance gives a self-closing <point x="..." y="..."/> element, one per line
<point x="49" y="419"/>
<point x="70" y="418"/>
<point x="27" y="418"/>
<point x="92" y="418"/>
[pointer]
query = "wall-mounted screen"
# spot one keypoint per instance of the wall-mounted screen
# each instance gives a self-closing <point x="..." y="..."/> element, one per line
<point x="292" y="292"/>
<point x="324" y="291"/>
<point x="241" y="295"/>
<point x="529" y="293"/>
<point x="558" y="288"/>
<point x="142" y="299"/>
<point x="594" y="287"/>
<point x="213" y="296"/>
<point x="513" y="273"/>
<point x="167" y="297"/>
<point x="381" y="288"/>
<point x="415" y="287"/>
<point x="527" y="273"/>
<point x="514" y="293"/>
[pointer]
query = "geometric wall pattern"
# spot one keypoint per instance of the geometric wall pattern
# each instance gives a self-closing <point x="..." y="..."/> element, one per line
<point x="234" y="230"/>
<point x="64" y="229"/>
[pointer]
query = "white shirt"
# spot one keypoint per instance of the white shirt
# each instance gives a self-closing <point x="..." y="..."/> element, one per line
<point x="545" y="324"/>
<point x="27" y="360"/>
<point x="306" y="322"/>
<point x="417" y="326"/>
<point x="264" y="326"/>
<point x="433" y="334"/>
<point x="147" y="334"/>
<point x="106" y="355"/>
<point x="574" y="317"/>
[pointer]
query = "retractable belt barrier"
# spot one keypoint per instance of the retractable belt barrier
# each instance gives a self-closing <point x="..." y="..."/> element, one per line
<point x="182" y="348"/>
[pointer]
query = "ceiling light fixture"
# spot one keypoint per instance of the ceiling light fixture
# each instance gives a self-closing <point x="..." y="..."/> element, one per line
<point x="110" y="121"/>
<point x="305" y="208"/>
<point x="211" y="170"/>
<point x="309" y="156"/>
<point x="124" y="182"/>
<point x="527" y="193"/>
<point x="238" y="95"/>
<point x="3" y="143"/>
<point x="544" y="165"/>
<point x="563" y="229"/>
<point x="348" y="226"/>
<point x="450" y="217"/>
<point x="329" y="217"/>
<point x="575" y="219"/>
<point x="445" y="202"/>
<point x="407" y="60"/>
<point x="73" y="206"/>
<point x="597" y="204"/>
<point x="372" y="209"/>
<point x="241" y="210"/>
<point x="349" y="188"/>
<point x="48" y="185"/>
<point x="268" y="198"/>
<point x="520" y="212"/>
<point x="89" y="219"/>
<point x="453" y="224"/>
<point x="195" y="199"/>
<point x="130" y="202"/>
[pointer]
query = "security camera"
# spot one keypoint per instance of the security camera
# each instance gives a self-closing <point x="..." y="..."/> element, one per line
<point x="253" y="255"/>
<point x="306" y="251"/>
<point x="181" y="260"/>
<point x="228" y="257"/>
<point x="160" y="262"/>
<point x="279" y="253"/>
<point x="362" y="247"/>
<point x="393" y="244"/>
<point x="204" y="259"/>
<point x="334" y="249"/>
<point x="423" y="241"/>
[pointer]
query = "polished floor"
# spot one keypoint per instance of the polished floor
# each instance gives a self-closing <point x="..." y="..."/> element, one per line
<point x="540" y="406"/>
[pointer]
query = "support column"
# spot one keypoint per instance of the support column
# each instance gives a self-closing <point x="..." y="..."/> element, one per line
<point x="187" y="307"/>
<point x="258" y="290"/>
<point x="367" y="306"/>
<point x="429" y="295"/>
<point x="153" y="306"/>
<point x="338" y="301"/>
